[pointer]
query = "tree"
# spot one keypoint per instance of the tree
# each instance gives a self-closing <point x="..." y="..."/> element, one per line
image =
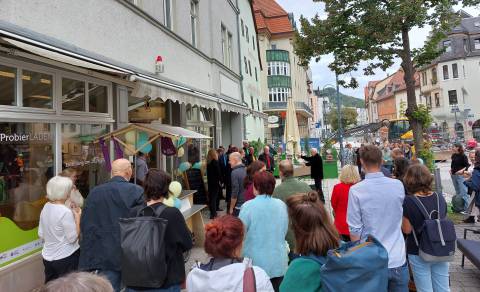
<point x="349" y="117"/>
<point x="377" y="31"/>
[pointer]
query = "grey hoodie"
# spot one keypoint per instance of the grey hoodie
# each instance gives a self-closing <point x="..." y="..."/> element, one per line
<point x="239" y="173"/>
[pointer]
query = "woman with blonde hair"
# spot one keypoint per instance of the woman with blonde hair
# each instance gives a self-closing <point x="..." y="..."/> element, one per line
<point x="348" y="177"/>
<point x="213" y="179"/>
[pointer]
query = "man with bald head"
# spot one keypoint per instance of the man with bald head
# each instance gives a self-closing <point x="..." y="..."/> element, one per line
<point x="237" y="177"/>
<point x="99" y="227"/>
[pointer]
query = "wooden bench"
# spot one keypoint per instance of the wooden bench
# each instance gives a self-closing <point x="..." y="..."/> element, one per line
<point x="193" y="216"/>
<point x="470" y="248"/>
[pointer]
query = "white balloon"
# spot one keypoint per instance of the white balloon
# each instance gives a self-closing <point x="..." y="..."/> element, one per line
<point x="180" y="152"/>
<point x="130" y="137"/>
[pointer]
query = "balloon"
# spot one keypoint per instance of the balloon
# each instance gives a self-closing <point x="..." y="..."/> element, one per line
<point x="181" y="140"/>
<point x="177" y="203"/>
<point x="175" y="188"/>
<point x="180" y="152"/>
<point x="129" y="152"/>
<point x="130" y="137"/>
<point x="184" y="166"/>
<point x="197" y="165"/>
<point x="143" y="136"/>
<point x="169" y="202"/>
<point x="145" y="149"/>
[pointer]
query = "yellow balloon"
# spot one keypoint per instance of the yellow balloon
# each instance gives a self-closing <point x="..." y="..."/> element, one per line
<point x="180" y="152"/>
<point x="130" y="137"/>
<point x="129" y="152"/>
<point x="169" y="202"/>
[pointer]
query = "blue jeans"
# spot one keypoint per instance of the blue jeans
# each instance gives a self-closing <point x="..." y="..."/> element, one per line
<point x="398" y="279"/>
<point x="173" y="288"/>
<point x="460" y="188"/>
<point x="429" y="277"/>
<point x="114" y="277"/>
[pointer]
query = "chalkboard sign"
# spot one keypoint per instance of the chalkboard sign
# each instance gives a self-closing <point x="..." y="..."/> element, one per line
<point x="194" y="180"/>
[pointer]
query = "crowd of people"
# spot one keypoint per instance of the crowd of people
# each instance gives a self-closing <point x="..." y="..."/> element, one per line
<point x="269" y="228"/>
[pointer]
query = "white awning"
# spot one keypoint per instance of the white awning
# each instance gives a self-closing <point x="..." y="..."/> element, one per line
<point x="165" y="91"/>
<point x="176" y="131"/>
<point x="259" y="114"/>
<point x="64" y="56"/>
<point x="236" y="108"/>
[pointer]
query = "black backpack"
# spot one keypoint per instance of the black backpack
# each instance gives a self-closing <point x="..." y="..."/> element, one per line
<point x="143" y="248"/>
<point x="437" y="236"/>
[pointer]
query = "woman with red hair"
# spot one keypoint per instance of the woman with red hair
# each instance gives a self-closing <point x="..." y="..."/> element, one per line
<point x="226" y="270"/>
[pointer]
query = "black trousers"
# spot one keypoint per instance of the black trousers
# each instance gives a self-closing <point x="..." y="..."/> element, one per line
<point x="276" y="283"/>
<point x="58" y="268"/>
<point x="318" y="188"/>
<point x="213" y="199"/>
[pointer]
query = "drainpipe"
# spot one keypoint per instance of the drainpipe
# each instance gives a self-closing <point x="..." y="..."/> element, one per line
<point x="241" y="72"/>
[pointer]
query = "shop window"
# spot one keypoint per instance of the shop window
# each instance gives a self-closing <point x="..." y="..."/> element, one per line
<point x="73" y="95"/>
<point x="80" y="154"/>
<point x="8" y="76"/>
<point x="26" y="164"/>
<point x="37" y="89"/>
<point x="437" y="99"/>
<point x="455" y="70"/>
<point x="476" y="43"/>
<point x="98" y="98"/>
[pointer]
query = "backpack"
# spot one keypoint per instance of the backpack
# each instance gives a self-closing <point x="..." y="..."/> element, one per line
<point x="437" y="236"/>
<point x="143" y="248"/>
<point x="457" y="204"/>
<point x="354" y="266"/>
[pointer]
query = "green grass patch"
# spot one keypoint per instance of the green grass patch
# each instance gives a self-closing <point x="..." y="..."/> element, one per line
<point x="457" y="218"/>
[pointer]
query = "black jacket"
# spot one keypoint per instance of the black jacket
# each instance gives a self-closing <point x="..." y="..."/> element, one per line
<point x="316" y="165"/>
<point x="213" y="175"/>
<point x="263" y="158"/>
<point x="459" y="161"/>
<point x="177" y="241"/>
<point x="99" y="227"/>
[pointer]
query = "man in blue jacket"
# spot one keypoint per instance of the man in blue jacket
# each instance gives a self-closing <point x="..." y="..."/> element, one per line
<point x="99" y="227"/>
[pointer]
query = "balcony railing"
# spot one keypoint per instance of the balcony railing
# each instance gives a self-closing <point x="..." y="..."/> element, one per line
<point x="278" y="55"/>
<point x="282" y="105"/>
<point x="279" y="81"/>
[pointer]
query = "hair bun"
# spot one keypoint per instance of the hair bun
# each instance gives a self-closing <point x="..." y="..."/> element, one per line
<point x="311" y="197"/>
<point x="214" y="232"/>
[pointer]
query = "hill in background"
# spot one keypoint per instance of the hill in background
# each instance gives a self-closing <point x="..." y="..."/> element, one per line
<point x="346" y="100"/>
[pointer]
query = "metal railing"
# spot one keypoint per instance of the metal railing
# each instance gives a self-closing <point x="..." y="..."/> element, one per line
<point x="282" y="105"/>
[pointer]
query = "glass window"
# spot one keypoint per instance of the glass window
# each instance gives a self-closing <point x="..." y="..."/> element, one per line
<point x="26" y="164"/>
<point x="437" y="99"/>
<point x="445" y="72"/>
<point x="455" y="70"/>
<point x="82" y="155"/>
<point x="249" y="68"/>
<point x="224" y="45"/>
<point x="98" y="98"/>
<point x="246" y="64"/>
<point x="477" y="44"/>
<point x="243" y="28"/>
<point x="256" y="76"/>
<point x="258" y="105"/>
<point x="230" y="50"/>
<point x="452" y="97"/>
<point x="194" y="20"/>
<point x="73" y="95"/>
<point x="251" y="102"/>
<point x="434" y="76"/>
<point x="167" y="9"/>
<point x="274" y="47"/>
<point x="447" y="45"/>
<point x="246" y="33"/>
<point x="8" y="91"/>
<point x="253" y="42"/>
<point x="37" y="89"/>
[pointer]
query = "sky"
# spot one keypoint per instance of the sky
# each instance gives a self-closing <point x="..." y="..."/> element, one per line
<point x="320" y="71"/>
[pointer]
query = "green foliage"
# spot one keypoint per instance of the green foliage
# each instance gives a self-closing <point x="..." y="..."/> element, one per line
<point x="345" y="100"/>
<point x="426" y="154"/>
<point x="257" y="145"/>
<point x="422" y="115"/>
<point x="349" y="117"/>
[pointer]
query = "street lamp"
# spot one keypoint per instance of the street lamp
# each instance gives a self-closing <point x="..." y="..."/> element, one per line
<point x="339" y="114"/>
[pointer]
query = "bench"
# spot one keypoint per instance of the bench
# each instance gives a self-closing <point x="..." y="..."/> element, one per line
<point x="193" y="217"/>
<point x="470" y="248"/>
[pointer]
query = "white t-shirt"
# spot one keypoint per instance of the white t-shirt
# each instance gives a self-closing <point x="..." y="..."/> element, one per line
<point x="58" y="230"/>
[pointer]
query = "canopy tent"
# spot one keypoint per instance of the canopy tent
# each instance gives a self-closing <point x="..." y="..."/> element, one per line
<point x="292" y="133"/>
<point x="153" y="130"/>
<point x="408" y="135"/>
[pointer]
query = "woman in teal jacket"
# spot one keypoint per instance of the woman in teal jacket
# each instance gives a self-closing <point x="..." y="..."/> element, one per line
<point x="314" y="235"/>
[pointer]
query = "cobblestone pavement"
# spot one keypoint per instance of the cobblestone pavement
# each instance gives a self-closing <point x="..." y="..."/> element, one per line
<point x="465" y="279"/>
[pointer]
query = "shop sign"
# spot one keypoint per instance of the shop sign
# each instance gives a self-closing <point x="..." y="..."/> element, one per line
<point x="6" y="138"/>
<point x="272" y="119"/>
<point x="273" y="126"/>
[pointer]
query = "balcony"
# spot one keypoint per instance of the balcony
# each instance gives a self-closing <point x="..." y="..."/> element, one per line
<point x="278" y="106"/>
<point x="278" y="55"/>
<point x="279" y="81"/>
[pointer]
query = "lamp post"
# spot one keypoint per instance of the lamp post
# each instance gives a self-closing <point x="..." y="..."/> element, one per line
<point x="339" y="114"/>
<point x="455" y="110"/>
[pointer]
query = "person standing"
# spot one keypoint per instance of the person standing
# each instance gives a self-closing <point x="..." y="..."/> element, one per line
<point x="264" y="241"/>
<point x="473" y="183"/>
<point x="252" y="169"/>
<point x="428" y="276"/>
<point x="100" y="230"/>
<point x="348" y="177"/>
<point x="267" y="158"/>
<point x="213" y="181"/>
<point x="348" y="156"/>
<point x="458" y="167"/>
<point x="177" y="239"/>
<point x="316" y="170"/>
<point x="289" y="186"/>
<point x="375" y="208"/>
<point x="228" y="176"/>
<point x="237" y="178"/>
<point x="141" y="168"/>
<point x="59" y="227"/>
<point x="387" y="157"/>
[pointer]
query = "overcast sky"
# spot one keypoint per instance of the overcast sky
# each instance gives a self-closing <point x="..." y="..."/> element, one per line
<point x="321" y="73"/>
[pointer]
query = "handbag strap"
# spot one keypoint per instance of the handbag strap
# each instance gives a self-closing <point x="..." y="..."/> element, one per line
<point x="249" y="282"/>
<point x="156" y="211"/>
